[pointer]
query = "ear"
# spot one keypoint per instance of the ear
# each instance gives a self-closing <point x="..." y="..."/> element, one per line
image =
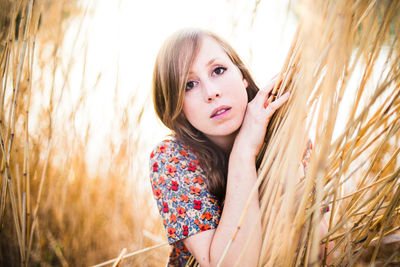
<point x="245" y="83"/>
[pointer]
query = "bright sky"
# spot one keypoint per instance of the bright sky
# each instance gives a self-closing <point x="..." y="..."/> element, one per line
<point x="120" y="40"/>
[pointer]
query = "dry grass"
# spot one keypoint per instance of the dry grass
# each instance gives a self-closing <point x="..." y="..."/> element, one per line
<point x="343" y="71"/>
<point x="54" y="210"/>
<point x="347" y="101"/>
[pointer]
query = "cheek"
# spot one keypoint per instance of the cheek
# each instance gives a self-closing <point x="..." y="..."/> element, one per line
<point x="189" y="110"/>
<point x="243" y="99"/>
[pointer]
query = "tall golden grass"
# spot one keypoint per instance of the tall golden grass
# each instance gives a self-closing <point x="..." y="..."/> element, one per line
<point x="344" y="74"/>
<point x="54" y="210"/>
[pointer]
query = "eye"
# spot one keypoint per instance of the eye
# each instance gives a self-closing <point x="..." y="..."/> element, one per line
<point x="219" y="70"/>
<point x="190" y="85"/>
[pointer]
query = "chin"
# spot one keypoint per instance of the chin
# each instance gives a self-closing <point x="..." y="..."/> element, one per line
<point x="227" y="131"/>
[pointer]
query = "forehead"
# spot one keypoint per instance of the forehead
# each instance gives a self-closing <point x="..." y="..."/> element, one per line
<point x="209" y="49"/>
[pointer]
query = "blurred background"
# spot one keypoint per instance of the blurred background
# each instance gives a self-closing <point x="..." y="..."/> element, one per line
<point x="78" y="123"/>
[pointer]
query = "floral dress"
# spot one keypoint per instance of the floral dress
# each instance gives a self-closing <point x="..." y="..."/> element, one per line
<point x="184" y="202"/>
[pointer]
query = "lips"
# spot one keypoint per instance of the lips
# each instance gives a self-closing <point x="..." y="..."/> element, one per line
<point x="219" y="110"/>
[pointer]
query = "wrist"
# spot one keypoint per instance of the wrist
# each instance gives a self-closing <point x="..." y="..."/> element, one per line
<point x="243" y="148"/>
<point x="242" y="153"/>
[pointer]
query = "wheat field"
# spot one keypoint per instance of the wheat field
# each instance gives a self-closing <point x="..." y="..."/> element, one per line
<point x="57" y="208"/>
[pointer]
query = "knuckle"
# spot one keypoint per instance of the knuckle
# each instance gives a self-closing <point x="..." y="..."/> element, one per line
<point x="273" y="106"/>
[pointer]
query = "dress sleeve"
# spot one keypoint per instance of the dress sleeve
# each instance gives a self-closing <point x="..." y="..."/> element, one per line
<point x="183" y="200"/>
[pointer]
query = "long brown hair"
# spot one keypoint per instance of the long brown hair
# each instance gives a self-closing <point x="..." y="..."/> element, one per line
<point x="169" y="82"/>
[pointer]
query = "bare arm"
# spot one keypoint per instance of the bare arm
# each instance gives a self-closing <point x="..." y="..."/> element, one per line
<point x="208" y="247"/>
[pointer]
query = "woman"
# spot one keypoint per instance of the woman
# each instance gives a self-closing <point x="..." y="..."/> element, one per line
<point x="203" y="175"/>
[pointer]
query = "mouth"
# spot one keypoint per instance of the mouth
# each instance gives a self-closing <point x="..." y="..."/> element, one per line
<point x="220" y="111"/>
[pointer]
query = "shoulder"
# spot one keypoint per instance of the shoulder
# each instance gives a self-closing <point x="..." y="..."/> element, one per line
<point x="172" y="148"/>
<point x="173" y="162"/>
<point x="180" y="190"/>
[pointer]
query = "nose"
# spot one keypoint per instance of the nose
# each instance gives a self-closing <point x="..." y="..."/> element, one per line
<point x="212" y="97"/>
<point x="211" y="91"/>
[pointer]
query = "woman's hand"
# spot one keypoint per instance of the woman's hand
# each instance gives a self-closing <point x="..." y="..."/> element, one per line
<point x="254" y="126"/>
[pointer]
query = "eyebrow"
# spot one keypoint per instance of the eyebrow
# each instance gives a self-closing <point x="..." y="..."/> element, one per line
<point x="211" y="61"/>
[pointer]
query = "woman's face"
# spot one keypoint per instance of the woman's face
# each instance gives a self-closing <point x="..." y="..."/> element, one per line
<point x="215" y="99"/>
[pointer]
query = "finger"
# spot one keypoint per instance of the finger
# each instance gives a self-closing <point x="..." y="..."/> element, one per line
<point x="267" y="98"/>
<point x="275" y="76"/>
<point x="271" y="84"/>
<point x="260" y="97"/>
<point x="273" y="106"/>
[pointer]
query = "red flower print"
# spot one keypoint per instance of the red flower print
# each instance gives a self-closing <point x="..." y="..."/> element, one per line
<point x="184" y="153"/>
<point x="206" y="215"/>
<point x="162" y="149"/>
<point x="184" y="198"/>
<point x="194" y="190"/>
<point x="179" y="187"/>
<point x="185" y="230"/>
<point x="171" y="170"/>
<point x="310" y="145"/>
<point x="173" y="218"/>
<point x="171" y="232"/>
<point x="174" y="185"/>
<point x="165" y="207"/>
<point x="157" y="193"/>
<point x="197" y="204"/>
<point x="161" y="180"/>
<point x="174" y="159"/>
<point x="204" y="227"/>
<point x="155" y="167"/>
<point x="181" y="212"/>
<point x="192" y="167"/>
<point x="198" y="180"/>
